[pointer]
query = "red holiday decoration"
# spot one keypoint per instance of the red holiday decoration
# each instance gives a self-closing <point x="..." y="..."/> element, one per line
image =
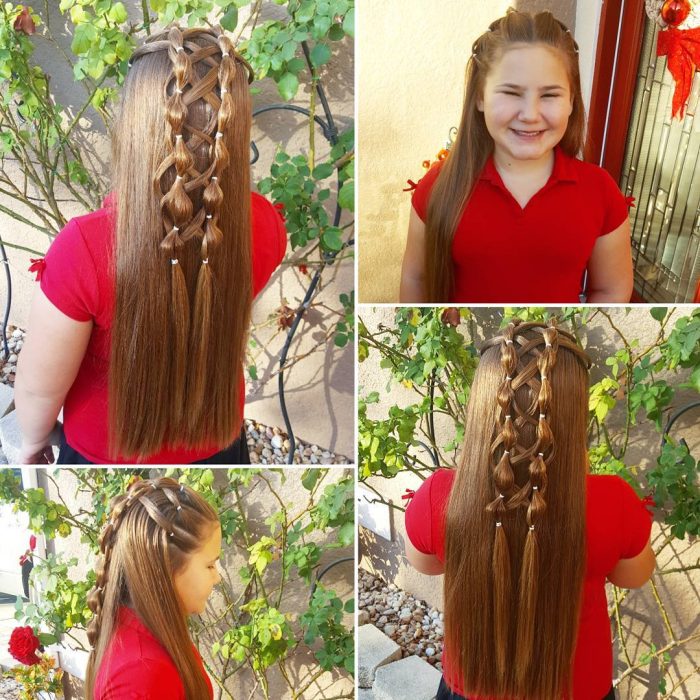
<point x="675" y="12"/>
<point x="23" y="645"/>
<point x="683" y="50"/>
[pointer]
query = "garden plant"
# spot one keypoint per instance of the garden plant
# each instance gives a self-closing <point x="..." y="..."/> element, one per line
<point x="47" y="140"/>
<point x="255" y="623"/>
<point x="433" y="353"/>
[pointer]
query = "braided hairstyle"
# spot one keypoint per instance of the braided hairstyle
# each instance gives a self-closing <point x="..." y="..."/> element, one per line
<point x="183" y="250"/>
<point x="515" y="528"/>
<point x="473" y="144"/>
<point x="151" y="531"/>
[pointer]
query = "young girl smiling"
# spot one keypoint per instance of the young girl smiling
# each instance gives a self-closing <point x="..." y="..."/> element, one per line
<point x="511" y="215"/>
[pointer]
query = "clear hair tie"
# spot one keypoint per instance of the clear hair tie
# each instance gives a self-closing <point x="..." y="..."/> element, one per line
<point x="509" y="342"/>
<point x="213" y="177"/>
<point x="509" y="379"/>
<point x="208" y="216"/>
<point x="180" y="48"/>
<point x="178" y="137"/>
<point x="498" y="523"/>
<point x="541" y="454"/>
<point x="224" y="53"/>
<point x="535" y="488"/>
<point x="224" y="90"/>
<point x="173" y="261"/>
<point x="508" y="417"/>
<point x="180" y="507"/>
<point x="153" y="486"/>
<point x="172" y="534"/>
<point x="532" y="527"/>
<point x="547" y="344"/>
<point x="182" y="488"/>
<point x="178" y="91"/>
<point x="219" y="135"/>
<point x="543" y="415"/>
<point x="543" y="376"/>
<point x="205" y="261"/>
<point x="500" y="495"/>
<point x="506" y="452"/>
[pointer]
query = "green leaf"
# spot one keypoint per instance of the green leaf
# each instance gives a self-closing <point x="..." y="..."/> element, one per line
<point x="83" y="38"/>
<point x="346" y="534"/>
<point x="309" y="478"/>
<point x="658" y="312"/>
<point x="288" y="85"/>
<point x="320" y="55"/>
<point x="331" y="238"/>
<point x="229" y="21"/>
<point x="346" y="196"/>
<point x="118" y="13"/>
<point x="321" y="172"/>
<point x="349" y="22"/>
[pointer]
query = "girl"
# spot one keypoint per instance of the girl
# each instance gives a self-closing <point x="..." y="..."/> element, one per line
<point x="160" y="549"/>
<point x="511" y="215"/>
<point x="145" y="304"/>
<point x="525" y="536"/>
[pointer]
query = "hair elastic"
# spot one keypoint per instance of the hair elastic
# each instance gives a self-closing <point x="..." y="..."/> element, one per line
<point x="547" y="344"/>
<point x="178" y="91"/>
<point x="509" y="342"/>
<point x="223" y="90"/>
<point x="219" y="135"/>
<point x="208" y="216"/>
<point x="543" y="376"/>
<point x="506" y="452"/>
<point x="509" y="379"/>
<point x="173" y="261"/>
<point x="532" y="527"/>
<point x="180" y="507"/>
<point x="224" y="53"/>
<point x="180" y="48"/>
<point x="182" y="488"/>
<point x="500" y="495"/>
<point x="176" y="229"/>
<point x="205" y="261"/>
<point x="498" y="523"/>
<point x="541" y="454"/>
<point x="508" y="417"/>
<point x="172" y="534"/>
<point x="178" y="137"/>
<point x="542" y="415"/>
<point x="535" y="488"/>
<point x="153" y="486"/>
<point x="213" y="177"/>
<point x="100" y="589"/>
<point x="178" y="177"/>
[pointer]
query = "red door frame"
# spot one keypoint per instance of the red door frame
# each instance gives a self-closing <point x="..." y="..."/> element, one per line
<point x="621" y="85"/>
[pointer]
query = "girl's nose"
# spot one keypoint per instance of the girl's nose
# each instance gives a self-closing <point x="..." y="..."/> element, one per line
<point x="530" y="109"/>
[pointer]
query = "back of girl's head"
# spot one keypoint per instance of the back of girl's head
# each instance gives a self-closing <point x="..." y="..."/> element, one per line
<point x="151" y="532"/>
<point x="515" y="528"/>
<point x="473" y="143"/>
<point x="181" y="150"/>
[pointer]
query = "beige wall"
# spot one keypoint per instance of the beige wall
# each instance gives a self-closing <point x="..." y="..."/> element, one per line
<point x="259" y="505"/>
<point x="410" y="88"/>
<point x="319" y="390"/>
<point x="679" y="592"/>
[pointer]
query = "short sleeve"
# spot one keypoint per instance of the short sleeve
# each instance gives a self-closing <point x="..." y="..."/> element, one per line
<point x="421" y="195"/>
<point x="634" y="518"/>
<point x="149" y="679"/>
<point x="269" y="241"/>
<point x="616" y="210"/>
<point x="69" y="278"/>
<point x="418" y="518"/>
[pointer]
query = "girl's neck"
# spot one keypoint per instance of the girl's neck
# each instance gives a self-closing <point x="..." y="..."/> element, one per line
<point x="509" y="167"/>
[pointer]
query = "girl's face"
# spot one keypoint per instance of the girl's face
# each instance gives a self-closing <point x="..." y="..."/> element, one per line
<point x="195" y="581"/>
<point x="527" y="103"/>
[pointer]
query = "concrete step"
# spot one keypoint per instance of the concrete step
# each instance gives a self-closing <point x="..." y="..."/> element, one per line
<point x="11" y="437"/>
<point x="376" y="649"/>
<point x="409" y="678"/>
<point x="7" y="399"/>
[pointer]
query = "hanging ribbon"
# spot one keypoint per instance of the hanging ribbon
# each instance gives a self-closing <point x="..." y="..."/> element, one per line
<point x="682" y="46"/>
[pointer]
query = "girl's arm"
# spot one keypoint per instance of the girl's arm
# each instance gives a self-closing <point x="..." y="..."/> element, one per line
<point x="634" y="572"/>
<point x="46" y="369"/>
<point x="425" y="563"/>
<point x="413" y="268"/>
<point x="610" y="268"/>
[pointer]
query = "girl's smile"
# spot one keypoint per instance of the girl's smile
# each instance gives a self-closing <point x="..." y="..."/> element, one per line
<point x="526" y="104"/>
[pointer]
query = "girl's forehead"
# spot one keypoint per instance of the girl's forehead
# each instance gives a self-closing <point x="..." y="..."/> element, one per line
<point x="530" y="63"/>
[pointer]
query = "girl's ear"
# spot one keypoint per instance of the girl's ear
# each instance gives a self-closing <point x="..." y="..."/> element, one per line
<point x="480" y="103"/>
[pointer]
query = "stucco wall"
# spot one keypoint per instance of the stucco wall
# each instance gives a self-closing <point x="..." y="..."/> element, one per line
<point x="678" y="592"/>
<point x="259" y="505"/>
<point x="410" y="86"/>
<point x="319" y="389"/>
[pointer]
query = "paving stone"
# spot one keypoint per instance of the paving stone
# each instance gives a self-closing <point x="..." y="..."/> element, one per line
<point x="365" y="694"/>
<point x="376" y="649"/>
<point x="7" y="397"/>
<point x="409" y="678"/>
<point x="10" y="437"/>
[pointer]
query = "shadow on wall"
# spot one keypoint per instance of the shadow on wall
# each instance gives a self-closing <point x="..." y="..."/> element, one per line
<point x="383" y="556"/>
<point x="563" y="10"/>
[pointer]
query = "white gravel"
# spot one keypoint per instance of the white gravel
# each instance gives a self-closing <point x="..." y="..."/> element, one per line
<point x="411" y="623"/>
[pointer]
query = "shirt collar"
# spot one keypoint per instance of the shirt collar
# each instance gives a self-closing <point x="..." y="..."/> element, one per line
<point x="564" y="169"/>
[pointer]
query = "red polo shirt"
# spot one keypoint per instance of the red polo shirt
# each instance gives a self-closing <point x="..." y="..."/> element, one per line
<point x="137" y="667"/>
<point x="503" y="253"/>
<point x="78" y="279"/>
<point x="617" y="527"/>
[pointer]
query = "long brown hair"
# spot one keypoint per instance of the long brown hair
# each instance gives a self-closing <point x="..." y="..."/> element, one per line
<point x="473" y="144"/>
<point x="151" y="532"/>
<point x="181" y="148"/>
<point x="515" y="527"/>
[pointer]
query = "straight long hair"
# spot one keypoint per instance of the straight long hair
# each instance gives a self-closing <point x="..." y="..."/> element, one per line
<point x="139" y="558"/>
<point x="473" y="144"/>
<point x="515" y="525"/>
<point x="182" y="262"/>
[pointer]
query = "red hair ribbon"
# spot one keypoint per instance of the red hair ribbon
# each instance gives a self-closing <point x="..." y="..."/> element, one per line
<point x="682" y="46"/>
<point x="408" y="494"/>
<point x="37" y="265"/>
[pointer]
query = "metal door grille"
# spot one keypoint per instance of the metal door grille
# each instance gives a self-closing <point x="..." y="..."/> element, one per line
<point x="661" y="170"/>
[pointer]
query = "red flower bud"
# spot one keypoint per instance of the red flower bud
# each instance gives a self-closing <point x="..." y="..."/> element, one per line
<point x="24" y="22"/>
<point x="450" y="317"/>
<point x="303" y="269"/>
<point x="23" y="645"/>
